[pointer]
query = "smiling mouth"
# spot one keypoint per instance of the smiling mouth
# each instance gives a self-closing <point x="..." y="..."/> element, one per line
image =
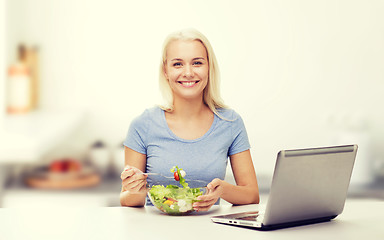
<point x="188" y="83"/>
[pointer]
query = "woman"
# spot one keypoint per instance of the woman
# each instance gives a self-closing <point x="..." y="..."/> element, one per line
<point x="194" y="130"/>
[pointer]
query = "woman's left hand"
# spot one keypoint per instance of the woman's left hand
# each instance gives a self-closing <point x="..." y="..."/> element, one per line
<point x="215" y="190"/>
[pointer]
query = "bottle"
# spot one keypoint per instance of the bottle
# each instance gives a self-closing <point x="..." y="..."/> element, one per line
<point x="32" y="62"/>
<point x="100" y="156"/>
<point x="18" y="85"/>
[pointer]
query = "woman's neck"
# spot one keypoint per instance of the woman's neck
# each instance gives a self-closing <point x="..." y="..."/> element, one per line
<point x="189" y="109"/>
<point x="190" y="119"/>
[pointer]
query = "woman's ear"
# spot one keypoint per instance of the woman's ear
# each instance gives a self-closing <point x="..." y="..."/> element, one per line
<point x="165" y="70"/>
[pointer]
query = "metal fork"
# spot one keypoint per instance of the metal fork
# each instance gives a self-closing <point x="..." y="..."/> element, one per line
<point x="158" y="174"/>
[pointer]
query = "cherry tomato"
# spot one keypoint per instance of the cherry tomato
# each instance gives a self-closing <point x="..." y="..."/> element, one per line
<point x="176" y="176"/>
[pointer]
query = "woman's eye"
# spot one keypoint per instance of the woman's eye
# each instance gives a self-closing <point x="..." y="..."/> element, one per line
<point x="197" y="63"/>
<point x="178" y="64"/>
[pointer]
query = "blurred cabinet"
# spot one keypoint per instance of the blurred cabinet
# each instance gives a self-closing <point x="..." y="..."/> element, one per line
<point x="25" y="138"/>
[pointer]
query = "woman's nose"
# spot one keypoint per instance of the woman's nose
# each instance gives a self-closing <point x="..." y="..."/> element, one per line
<point x="188" y="71"/>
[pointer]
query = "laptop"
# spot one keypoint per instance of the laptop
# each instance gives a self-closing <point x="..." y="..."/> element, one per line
<point x="308" y="186"/>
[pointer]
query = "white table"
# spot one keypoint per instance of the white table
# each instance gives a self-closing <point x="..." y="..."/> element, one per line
<point x="361" y="219"/>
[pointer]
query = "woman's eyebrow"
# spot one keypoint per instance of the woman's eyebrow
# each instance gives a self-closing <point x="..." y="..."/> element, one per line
<point x="177" y="59"/>
<point x="197" y="58"/>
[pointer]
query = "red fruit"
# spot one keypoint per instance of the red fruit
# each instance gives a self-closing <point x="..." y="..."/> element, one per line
<point x="73" y="165"/>
<point x="65" y="165"/>
<point x="56" y="166"/>
<point x="176" y="176"/>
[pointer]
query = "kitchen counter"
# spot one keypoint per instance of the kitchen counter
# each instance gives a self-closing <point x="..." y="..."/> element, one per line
<point x="105" y="194"/>
<point x="361" y="219"/>
<point x="25" y="138"/>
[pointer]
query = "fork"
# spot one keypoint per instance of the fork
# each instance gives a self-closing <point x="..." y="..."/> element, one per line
<point x="159" y="174"/>
<point x="156" y="174"/>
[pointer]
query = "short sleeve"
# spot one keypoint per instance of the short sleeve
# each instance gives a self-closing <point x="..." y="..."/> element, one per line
<point x="136" y="135"/>
<point x="240" y="137"/>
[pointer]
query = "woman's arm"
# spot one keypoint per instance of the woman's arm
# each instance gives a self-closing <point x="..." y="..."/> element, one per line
<point x="133" y="190"/>
<point x="246" y="190"/>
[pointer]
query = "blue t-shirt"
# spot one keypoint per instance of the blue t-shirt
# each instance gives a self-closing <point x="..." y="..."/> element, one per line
<point x="203" y="159"/>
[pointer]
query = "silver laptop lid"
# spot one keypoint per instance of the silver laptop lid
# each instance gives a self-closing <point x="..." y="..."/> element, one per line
<point x="309" y="183"/>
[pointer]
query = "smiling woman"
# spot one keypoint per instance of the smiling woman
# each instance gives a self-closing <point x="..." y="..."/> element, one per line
<point x="187" y="70"/>
<point x="194" y="130"/>
<point x="203" y="62"/>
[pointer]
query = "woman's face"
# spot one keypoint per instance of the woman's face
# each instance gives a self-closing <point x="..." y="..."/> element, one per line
<point x="187" y="68"/>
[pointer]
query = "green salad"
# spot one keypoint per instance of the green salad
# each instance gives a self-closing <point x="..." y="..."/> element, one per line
<point x="172" y="199"/>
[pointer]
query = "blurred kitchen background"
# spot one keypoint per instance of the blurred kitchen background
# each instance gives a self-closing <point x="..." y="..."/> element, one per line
<point x="73" y="74"/>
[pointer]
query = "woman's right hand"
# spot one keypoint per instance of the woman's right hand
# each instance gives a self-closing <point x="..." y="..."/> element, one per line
<point x="133" y="180"/>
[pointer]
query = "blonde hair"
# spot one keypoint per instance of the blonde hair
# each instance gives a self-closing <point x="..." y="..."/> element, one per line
<point x="211" y="95"/>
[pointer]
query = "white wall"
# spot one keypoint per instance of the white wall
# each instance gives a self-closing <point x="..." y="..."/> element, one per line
<point x="2" y="62"/>
<point x="297" y="71"/>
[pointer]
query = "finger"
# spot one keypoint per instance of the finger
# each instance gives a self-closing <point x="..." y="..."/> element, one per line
<point x="140" y="187"/>
<point x="138" y="183"/>
<point x="134" y="178"/>
<point x="203" y="206"/>
<point x="214" y="184"/>
<point x="204" y="198"/>
<point x="203" y="209"/>
<point x="128" y="172"/>
<point x="134" y="185"/>
<point x="205" y="203"/>
<point x="138" y="177"/>
<point x="212" y="194"/>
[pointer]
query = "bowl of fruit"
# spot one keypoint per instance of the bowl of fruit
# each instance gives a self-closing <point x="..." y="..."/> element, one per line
<point x="178" y="198"/>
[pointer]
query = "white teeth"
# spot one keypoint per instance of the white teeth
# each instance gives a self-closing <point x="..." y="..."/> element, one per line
<point x="188" y="83"/>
